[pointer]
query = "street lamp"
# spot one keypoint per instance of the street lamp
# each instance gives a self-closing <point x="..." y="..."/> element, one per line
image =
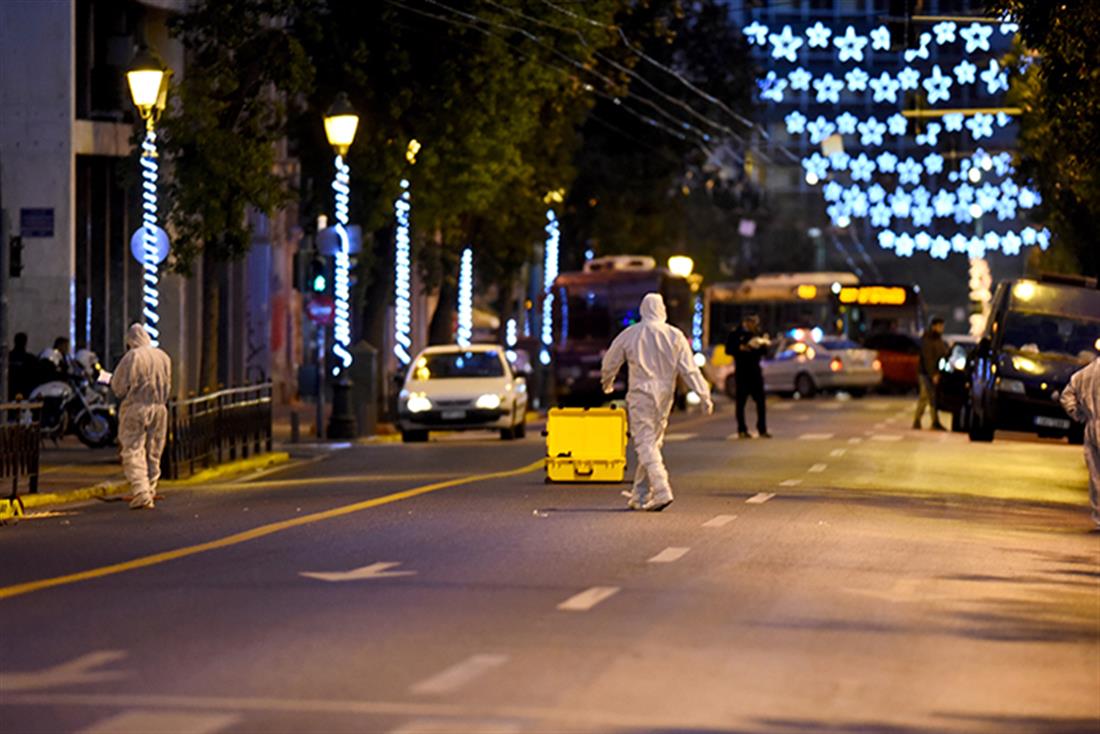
<point x="148" y="82"/>
<point x="341" y="122"/>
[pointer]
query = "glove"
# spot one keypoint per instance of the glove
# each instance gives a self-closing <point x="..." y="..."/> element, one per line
<point x="708" y="405"/>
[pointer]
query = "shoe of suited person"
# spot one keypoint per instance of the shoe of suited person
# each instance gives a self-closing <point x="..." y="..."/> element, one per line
<point x="744" y="434"/>
<point x="633" y="504"/>
<point x="656" y="504"/>
<point x="764" y="434"/>
<point x="142" y="502"/>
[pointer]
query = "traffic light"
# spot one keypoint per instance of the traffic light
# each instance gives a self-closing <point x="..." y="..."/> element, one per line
<point x="15" y="261"/>
<point x="317" y="275"/>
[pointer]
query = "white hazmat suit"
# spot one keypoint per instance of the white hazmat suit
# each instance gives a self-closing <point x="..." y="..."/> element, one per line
<point x="656" y="353"/>
<point x="142" y="380"/>
<point x="1081" y="399"/>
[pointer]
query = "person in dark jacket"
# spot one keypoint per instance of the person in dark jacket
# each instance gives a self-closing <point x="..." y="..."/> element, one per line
<point x="747" y="347"/>
<point x="932" y="350"/>
<point x="21" y="366"/>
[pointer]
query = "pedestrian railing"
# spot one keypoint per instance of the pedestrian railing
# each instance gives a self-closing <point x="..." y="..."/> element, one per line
<point x="20" y="434"/>
<point x="217" y="427"/>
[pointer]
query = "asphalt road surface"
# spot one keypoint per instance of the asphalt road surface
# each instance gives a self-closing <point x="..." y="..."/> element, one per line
<point x="849" y="575"/>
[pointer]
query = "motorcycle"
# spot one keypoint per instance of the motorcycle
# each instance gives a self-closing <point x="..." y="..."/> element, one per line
<point x="79" y="402"/>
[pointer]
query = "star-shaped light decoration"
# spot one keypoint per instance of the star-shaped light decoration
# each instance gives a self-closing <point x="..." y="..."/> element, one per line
<point x="850" y="46"/>
<point x="980" y="126"/>
<point x="909" y="78"/>
<point x="921" y="52"/>
<point x="1009" y="29"/>
<point x="945" y="32"/>
<point x="796" y="123"/>
<point x="785" y="44"/>
<point x="1002" y="164"/>
<point x="992" y="241"/>
<point x="922" y="215"/>
<point x="862" y="167"/>
<point x="885" y="88"/>
<point x="876" y="193"/>
<point x="921" y="195"/>
<point x="976" y="248"/>
<point x="995" y="79"/>
<point x="833" y="191"/>
<point x="857" y="80"/>
<point x="897" y="124"/>
<point x="887" y="162"/>
<point x="859" y="204"/>
<point x="909" y="172"/>
<point x="816" y="164"/>
<point x="1003" y="118"/>
<point x="772" y="87"/>
<point x="1010" y="243"/>
<point x="1029" y="198"/>
<point x="887" y="239"/>
<point x="976" y="36"/>
<point x="820" y="129"/>
<point x="941" y="247"/>
<point x="880" y="38"/>
<point x="1029" y="235"/>
<point x="965" y="194"/>
<point x="839" y="160"/>
<point x="931" y="134"/>
<point x="1009" y="189"/>
<point x="953" y="121"/>
<point x="933" y="164"/>
<point x="880" y="216"/>
<point x="828" y="89"/>
<point x="900" y="204"/>
<point x="962" y="212"/>
<point x="959" y="243"/>
<point x="800" y="79"/>
<point x="1006" y="208"/>
<point x="904" y="245"/>
<point x="943" y="203"/>
<point x="818" y="35"/>
<point x="986" y="196"/>
<point x="846" y="123"/>
<point x="756" y="33"/>
<point x="965" y="72"/>
<point x="938" y="86"/>
<point x="922" y="241"/>
<point x="871" y="131"/>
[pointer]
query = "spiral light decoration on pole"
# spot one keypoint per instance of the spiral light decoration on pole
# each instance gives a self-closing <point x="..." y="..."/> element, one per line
<point x="341" y="282"/>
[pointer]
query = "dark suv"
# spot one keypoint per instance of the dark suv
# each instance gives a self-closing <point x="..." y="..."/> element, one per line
<point x="1038" y="334"/>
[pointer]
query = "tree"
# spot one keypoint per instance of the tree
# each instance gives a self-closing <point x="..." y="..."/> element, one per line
<point x="1059" y="145"/>
<point x="220" y="135"/>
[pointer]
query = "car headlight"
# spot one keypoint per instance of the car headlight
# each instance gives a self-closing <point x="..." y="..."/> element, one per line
<point x="418" y="403"/>
<point x="1013" y="386"/>
<point x="489" y="401"/>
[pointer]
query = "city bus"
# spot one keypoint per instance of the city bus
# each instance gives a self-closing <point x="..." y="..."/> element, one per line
<point x="868" y="309"/>
<point x="593" y="305"/>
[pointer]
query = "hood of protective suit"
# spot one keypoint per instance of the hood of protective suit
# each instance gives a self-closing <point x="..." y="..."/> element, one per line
<point x="138" y="337"/>
<point x="653" y="308"/>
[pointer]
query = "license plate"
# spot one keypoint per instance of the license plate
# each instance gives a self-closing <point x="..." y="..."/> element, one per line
<point x="453" y="415"/>
<point x="1045" y="422"/>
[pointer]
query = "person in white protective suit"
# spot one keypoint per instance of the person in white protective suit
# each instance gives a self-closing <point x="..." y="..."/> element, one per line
<point x="142" y="380"/>
<point x="1081" y="399"/>
<point x="656" y="353"/>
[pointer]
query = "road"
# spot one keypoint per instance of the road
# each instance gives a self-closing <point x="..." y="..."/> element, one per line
<point x="849" y="575"/>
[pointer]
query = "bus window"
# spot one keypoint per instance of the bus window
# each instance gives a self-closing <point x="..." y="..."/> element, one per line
<point x="586" y="315"/>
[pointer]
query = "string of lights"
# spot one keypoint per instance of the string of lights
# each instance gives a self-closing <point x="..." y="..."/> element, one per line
<point x="549" y="275"/>
<point x="465" y="333"/>
<point x="341" y="330"/>
<point x="149" y="235"/>
<point x="402" y="311"/>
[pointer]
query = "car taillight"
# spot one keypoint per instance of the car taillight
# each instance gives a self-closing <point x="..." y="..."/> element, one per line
<point x="836" y="365"/>
<point x="876" y="366"/>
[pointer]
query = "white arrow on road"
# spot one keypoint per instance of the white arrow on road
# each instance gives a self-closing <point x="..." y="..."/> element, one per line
<point x="81" y="670"/>
<point x="380" y="570"/>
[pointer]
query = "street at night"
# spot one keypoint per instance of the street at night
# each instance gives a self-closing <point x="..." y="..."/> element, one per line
<point x="848" y="575"/>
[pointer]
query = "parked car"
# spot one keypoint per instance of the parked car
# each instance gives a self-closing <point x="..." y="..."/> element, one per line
<point x="804" y="367"/>
<point x="1039" y="333"/>
<point x="953" y="389"/>
<point x="462" y="388"/>
<point x="900" y="357"/>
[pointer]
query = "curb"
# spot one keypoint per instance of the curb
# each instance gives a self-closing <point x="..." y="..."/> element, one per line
<point x="10" y="509"/>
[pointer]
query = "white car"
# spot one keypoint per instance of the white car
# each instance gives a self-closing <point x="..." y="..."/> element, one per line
<point x="456" y="388"/>
<point x="804" y="367"/>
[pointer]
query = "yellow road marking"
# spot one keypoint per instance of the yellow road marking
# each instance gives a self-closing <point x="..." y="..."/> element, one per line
<point x="255" y="533"/>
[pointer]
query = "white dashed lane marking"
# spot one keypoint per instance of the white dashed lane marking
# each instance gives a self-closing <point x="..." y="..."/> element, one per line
<point x="837" y="453"/>
<point x="668" y="555"/>
<point x="790" y="483"/>
<point x="855" y="440"/>
<point x="886" y="437"/>
<point x="816" y="436"/>
<point x="760" y="498"/>
<point x="162" y="722"/>
<point x="818" y="468"/>
<point x="588" y="598"/>
<point x="450" y="726"/>
<point x="459" y="674"/>
<point x="673" y="437"/>
<point x="719" y="521"/>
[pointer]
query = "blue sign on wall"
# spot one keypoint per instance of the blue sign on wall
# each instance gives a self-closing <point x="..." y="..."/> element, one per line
<point x="36" y="222"/>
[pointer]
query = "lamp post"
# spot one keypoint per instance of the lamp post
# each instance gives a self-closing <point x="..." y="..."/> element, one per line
<point x="341" y="122"/>
<point x="148" y="82"/>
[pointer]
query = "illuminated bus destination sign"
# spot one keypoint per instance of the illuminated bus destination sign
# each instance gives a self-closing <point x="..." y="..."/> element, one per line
<point x="874" y="295"/>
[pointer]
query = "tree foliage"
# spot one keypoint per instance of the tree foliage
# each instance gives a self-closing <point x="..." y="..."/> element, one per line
<point x="1059" y="144"/>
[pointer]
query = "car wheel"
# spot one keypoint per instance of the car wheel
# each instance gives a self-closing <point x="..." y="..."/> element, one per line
<point x="960" y="420"/>
<point x="858" y="392"/>
<point x="521" y="430"/>
<point x="507" y="434"/>
<point x="731" y="387"/>
<point x="414" y="436"/>
<point x="979" y="430"/>
<point x="804" y="386"/>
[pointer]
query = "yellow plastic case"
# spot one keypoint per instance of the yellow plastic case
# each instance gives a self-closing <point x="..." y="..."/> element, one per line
<point x="586" y="444"/>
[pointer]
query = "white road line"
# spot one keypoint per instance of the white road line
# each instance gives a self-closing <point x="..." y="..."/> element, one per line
<point x="719" y="521"/>
<point x="588" y="598"/>
<point x="790" y="483"/>
<point x="162" y="722"/>
<point x="837" y="453"/>
<point x="671" y="437"/>
<point x="818" y="468"/>
<point x="815" y="436"/>
<point x="761" y="497"/>
<point x="452" y="725"/>
<point x="855" y="440"/>
<point x="670" y="554"/>
<point x="459" y="674"/>
<point x="886" y="437"/>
